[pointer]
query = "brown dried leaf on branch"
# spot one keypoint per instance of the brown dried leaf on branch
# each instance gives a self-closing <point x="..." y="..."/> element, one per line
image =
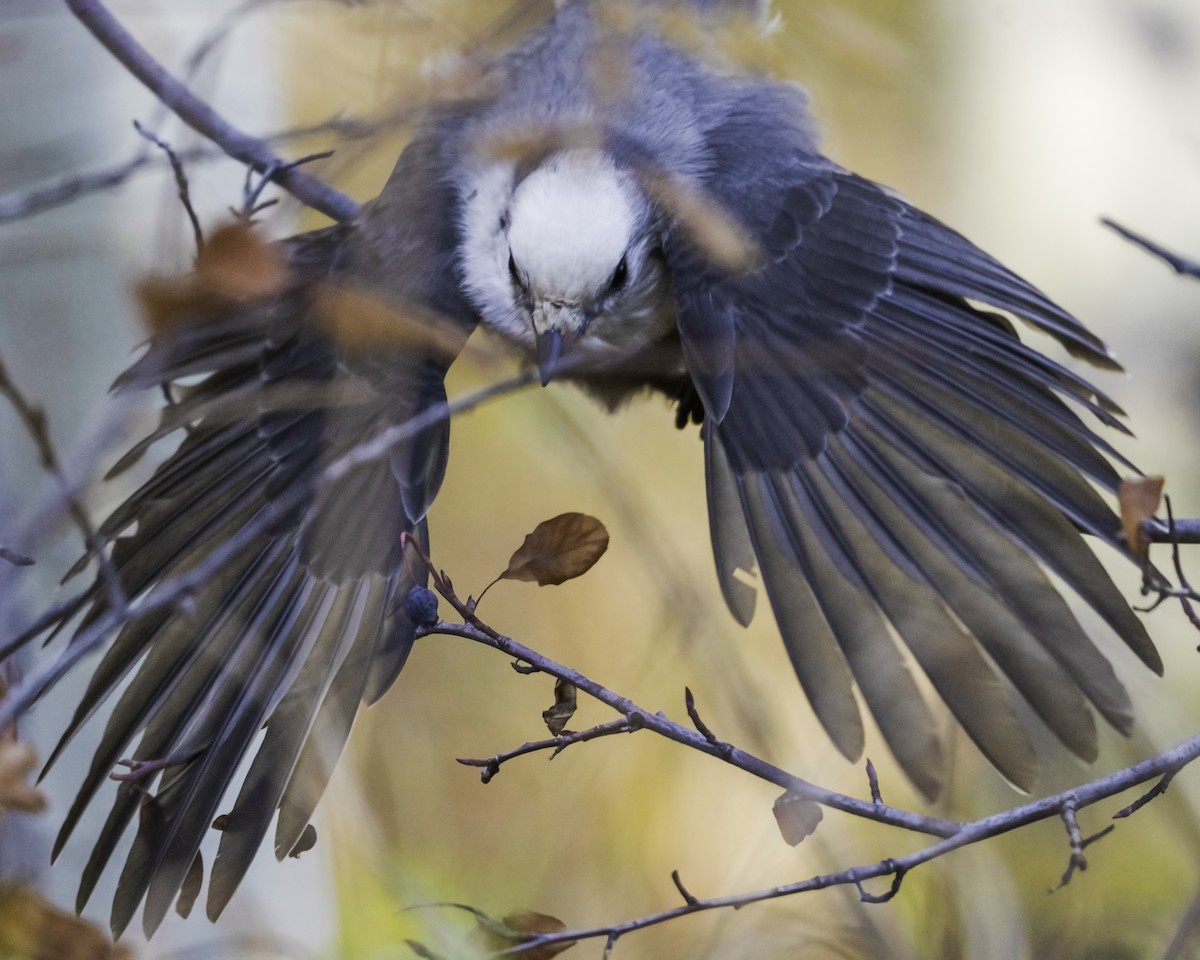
<point x="238" y="264"/>
<point x="17" y="763"/>
<point x="235" y="265"/>
<point x="32" y="929"/>
<point x="520" y="927"/>
<point x="797" y="817"/>
<point x="558" y="716"/>
<point x="358" y="319"/>
<point x="1138" y="498"/>
<point x="558" y="550"/>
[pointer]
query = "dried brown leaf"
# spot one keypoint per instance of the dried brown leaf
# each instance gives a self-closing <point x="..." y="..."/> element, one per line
<point x="519" y="927"/>
<point x="797" y="817"/>
<point x="234" y="266"/>
<point x="558" y="550"/>
<point x="238" y="264"/>
<point x="712" y="229"/>
<point x="1138" y="498"/>
<point x="358" y="319"/>
<point x="191" y="887"/>
<point x="33" y="929"/>
<point x="17" y="762"/>
<point x="166" y="302"/>
<point x="558" y="716"/>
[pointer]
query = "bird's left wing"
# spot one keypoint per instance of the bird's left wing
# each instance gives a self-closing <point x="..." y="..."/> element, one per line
<point x="299" y="614"/>
<point x="897" y="463"/>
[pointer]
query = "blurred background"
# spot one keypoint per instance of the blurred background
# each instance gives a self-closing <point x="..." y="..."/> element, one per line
<point x="1018" y="122"/>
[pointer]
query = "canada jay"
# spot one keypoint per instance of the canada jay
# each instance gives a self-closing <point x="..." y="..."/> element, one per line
<point x="897" y="466"/>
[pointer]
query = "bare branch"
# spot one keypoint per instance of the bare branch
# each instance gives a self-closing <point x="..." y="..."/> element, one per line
<point x="1156" y="791"/>
<point x="1185" y="531"/>
<point x="688" y="897"/>
<point x="660" y="724"/>
<point x="968" y="833"/>
<point x="954" y="835"/>
<point x="21" y="204"/>
<point x="34" y="420"/>
<point x="491" y="765"/>
<point x="1180" y="264"/>
<point x="201" y="117"/>
<point x="181" y="181"/>
<point x="1078" y="860"/>
<point x="873" y="783"/>
<point x="694" y="715"/>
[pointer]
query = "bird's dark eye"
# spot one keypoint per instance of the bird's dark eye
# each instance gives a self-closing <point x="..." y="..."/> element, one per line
<point x="512" y="271"/>
<point x="620" y="275"/>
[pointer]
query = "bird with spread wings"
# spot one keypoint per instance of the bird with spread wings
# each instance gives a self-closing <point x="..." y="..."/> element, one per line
<point x="881" y="446"/>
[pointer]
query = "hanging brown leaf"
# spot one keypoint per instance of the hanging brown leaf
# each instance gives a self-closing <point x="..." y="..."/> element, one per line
<point x="558" y="550"/>
<point x="33" y="929"/>
<point x="170" y="301"/>
<point x="1139" y="498"/>
<point x="797" y="817"/>
<point x="191" y="887"/>
<point x="360" y="320"/>
<point x="715" y="232"/>
<point x="17" y="763"/>
<point x="519" y="927"/>
<point x="559" y="715"/>
<point x="234" y="266"/>
<point x="238" y="264"/>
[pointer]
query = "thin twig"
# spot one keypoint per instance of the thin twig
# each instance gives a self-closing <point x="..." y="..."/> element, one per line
<point x="895" y="867"/>
<point x="659" y="723"/>
<point x="19" y="205"/>
<point x="34" y="420"/>
<point x="954" y="835"/>
<point x="897" y="879"/>
<point x="689" y="702"/>
<point x="688" y="897"/>
<point x="181" y="181"/>
<point x="1180" y="264"/>
<point x="250" y="204"/>
<point x="1156" y="791"/>
<point x="873" y="783"/>
<point x="491" y="765"/>
<point x="204" y="119"/>
<point x="1077" y="861"/>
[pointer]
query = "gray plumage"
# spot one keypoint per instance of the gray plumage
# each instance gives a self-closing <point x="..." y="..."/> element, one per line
<point x="879" y="444"/>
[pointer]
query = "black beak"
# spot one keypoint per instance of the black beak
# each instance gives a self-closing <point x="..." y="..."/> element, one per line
<point x="549" y="353"/>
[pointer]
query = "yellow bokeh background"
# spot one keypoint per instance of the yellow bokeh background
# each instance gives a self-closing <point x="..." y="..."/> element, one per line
<point x="1017" y="121"/>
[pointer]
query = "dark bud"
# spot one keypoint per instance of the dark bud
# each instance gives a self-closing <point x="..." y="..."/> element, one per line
<point x="421" y="605"/>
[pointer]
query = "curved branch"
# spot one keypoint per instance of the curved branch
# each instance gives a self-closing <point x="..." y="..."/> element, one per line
<point x="202" y="118"/>
<point x="664" y="727"/>
<point x="953" y="835"/>
<point x="896" y="867"/>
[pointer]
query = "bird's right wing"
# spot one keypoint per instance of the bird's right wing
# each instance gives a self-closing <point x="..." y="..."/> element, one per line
<point x="898" y="464"/>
